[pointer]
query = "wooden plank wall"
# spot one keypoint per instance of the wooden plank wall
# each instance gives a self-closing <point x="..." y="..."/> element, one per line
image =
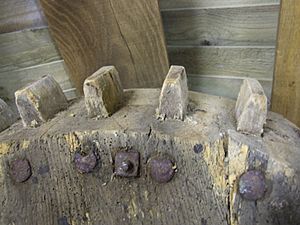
<point x="222" y="41"/>
<point x="27" y="50"/>
<point x="286" y="89"/>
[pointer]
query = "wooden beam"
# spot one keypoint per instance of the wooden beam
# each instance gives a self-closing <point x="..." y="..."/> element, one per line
<point x="125" y="33"/>
<point x="286" y="88"/>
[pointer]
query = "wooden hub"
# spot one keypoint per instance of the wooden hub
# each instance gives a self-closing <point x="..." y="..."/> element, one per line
<point x="207" y="152"/>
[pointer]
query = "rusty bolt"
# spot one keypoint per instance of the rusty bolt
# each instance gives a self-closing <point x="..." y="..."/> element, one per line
<point x="126" y="167"/>
<point x="161" y="169"/>
<point x="127" y="163"/>
<point x="20" y="170"/>
<point x="252" y="185"/>
<point x="198" y="148"/>
<point x="85" y="164"/>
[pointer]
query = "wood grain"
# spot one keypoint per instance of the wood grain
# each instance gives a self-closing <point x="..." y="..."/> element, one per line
<point x="17" y="15"/>
<point x="26" y="49"/>
<point x="223" y="26"/>
<point x="91" y="34"/>
<point x="286" y="90"/>
<point x="11" y="81"/>
<point x="177" y="4"/>
<point x="255" y="62"/>
<point x="205" y="185"/>
<point x="223" y="85"/>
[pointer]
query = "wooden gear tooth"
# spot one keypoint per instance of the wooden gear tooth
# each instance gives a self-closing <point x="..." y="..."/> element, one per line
<point x="40" y="101"/>
<point x="251" y="108"/>
<point x="103" y="92"/>
<point x="173" y="98"/>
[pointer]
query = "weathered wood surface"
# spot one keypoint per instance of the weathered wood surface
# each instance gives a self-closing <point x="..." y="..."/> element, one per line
<point x="179" y="4"/>
<point x="251" y="108"/>
<point x="286" y="89"/>
<point x="251" y="62"/>
<point x="28" y="48"/>
<point x="103" y="92"/>
<point x="57" y="194"/>
<point x="255" y="26"/>
<point x="225" y="86"/>
<point x="92" y="34"/>
<point x="40" y="101"/>
<point x="7" y="116"/>
<point x="18" y="15"/>
<point x="173" y="99"/>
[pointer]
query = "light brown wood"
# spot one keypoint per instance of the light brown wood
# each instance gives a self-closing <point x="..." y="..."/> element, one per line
<point x="127" y="34"/>
<point x="255" y="26"/>
<point x="103" y="92"/>
<point x="286" y="87"/>
<point x="18" y="15"/>
<point x="204" y="187"/>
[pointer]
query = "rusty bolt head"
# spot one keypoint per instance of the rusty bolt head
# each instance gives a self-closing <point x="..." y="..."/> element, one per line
<point x="252" y="185"/>
<point x="20" y="170"/>
<point x="161" y="170"/>
<point x="126" y="167"/>
<point x="127" y="164"/>
<point x="198" y="148"/>
<point x="85" y="164"/>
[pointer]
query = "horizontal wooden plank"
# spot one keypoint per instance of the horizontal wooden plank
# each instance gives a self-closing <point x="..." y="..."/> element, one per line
<point x="228" y="26"/>
<point x="223" y="86"/>
<point x="256" y="62"/>
<point x="25" y="49"/>
<point x="13" y="80"/>
<point x="177" y="4"/>
<point x="20" y="14"/>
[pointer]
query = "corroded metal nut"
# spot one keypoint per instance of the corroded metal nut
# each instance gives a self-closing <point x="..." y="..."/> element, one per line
<point x="20" y="170"/>
<point x="127" y="164"/>
<point x="161" y="170"/>
<point x="198" y="148"/>
<point x="252" y="185"/>
<point x="85" y="164"/>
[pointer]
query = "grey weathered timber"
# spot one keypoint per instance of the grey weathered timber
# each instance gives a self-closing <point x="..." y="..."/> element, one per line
<point x="233" y="26"/>
<point x="7" y="116"/>
<point x="103" y="92"/>
<point x="173" y="98"/>
<point x="40" y="101"/>
<point x="204" y="186"/>
<point x="251" y="108"/>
